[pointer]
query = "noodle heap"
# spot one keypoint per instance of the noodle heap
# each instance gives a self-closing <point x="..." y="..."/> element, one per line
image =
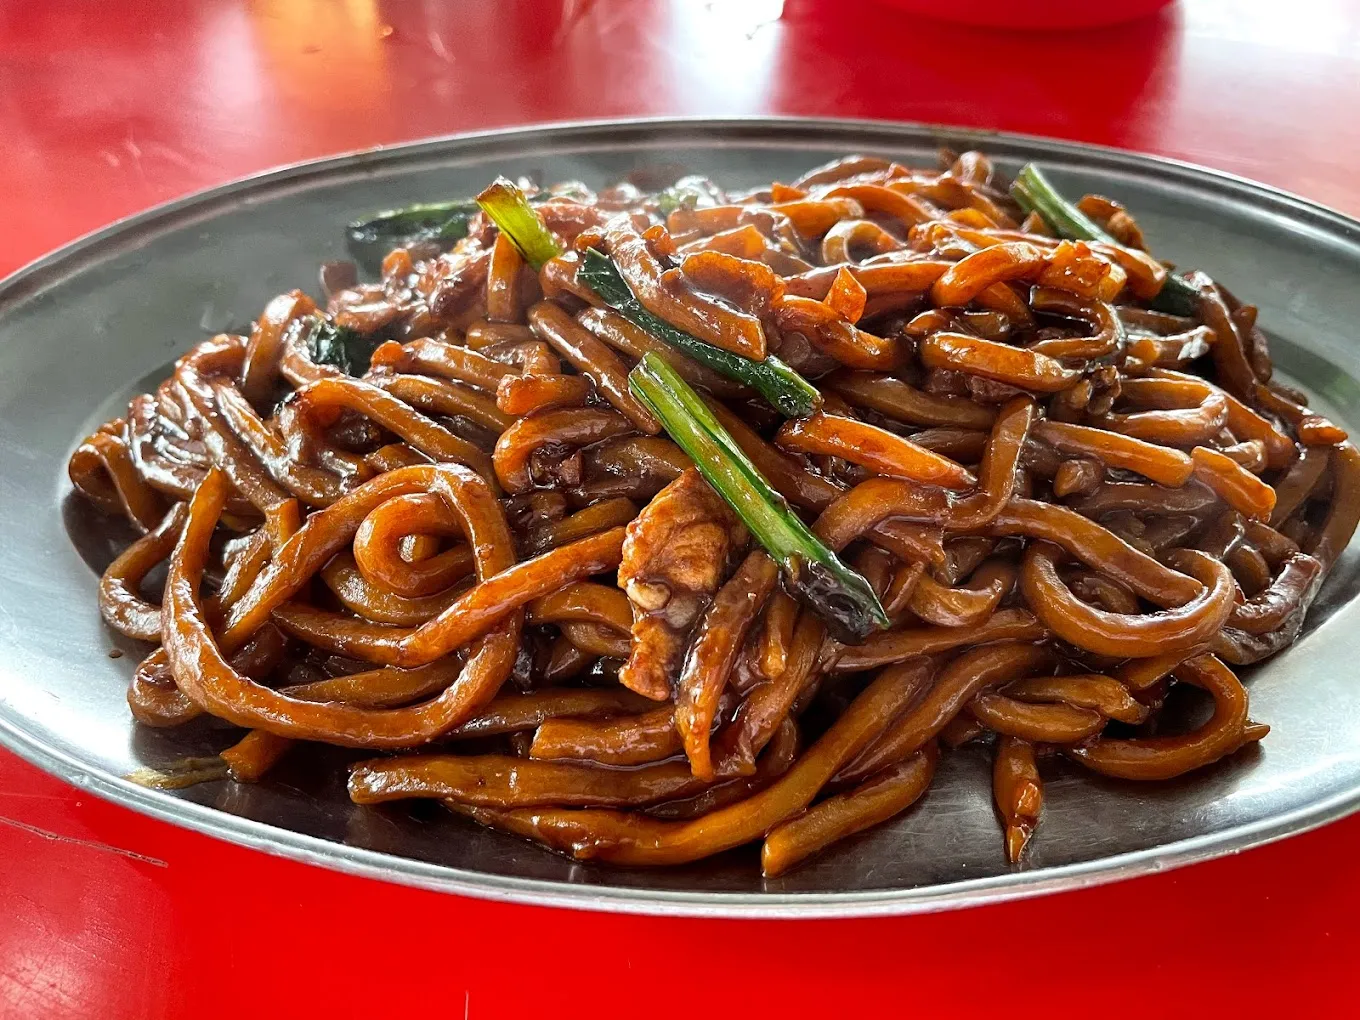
<point x="477" y="548"/>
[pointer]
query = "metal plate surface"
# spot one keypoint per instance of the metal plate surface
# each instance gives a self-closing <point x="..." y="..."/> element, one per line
<point x="86" y="327"/>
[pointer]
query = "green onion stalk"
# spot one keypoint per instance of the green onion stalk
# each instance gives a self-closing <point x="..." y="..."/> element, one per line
<point x="1036" y="194"/>
<point x="508" y="207"/>
<point x="813" y="574"/>
<point x="786" y="390"/>
<point x="371" y="238"/>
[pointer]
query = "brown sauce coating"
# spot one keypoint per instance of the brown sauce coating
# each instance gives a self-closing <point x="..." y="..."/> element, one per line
<point x="1066" y="500"/>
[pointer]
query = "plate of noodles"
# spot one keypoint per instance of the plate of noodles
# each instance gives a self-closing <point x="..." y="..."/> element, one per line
<point x="756" y="517"/>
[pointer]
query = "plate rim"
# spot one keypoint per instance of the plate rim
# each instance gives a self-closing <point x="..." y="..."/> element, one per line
<point x="1013" y="885"/>
<point x="84" y="251"/>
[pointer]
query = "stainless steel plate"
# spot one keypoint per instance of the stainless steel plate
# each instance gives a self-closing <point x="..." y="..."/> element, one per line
<point x="93" y="323"/>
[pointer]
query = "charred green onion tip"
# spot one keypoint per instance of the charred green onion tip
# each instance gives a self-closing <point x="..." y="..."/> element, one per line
<point x="338" y="346"/>
<point x="508" y="207"/>
<point x="812" y="573"/>
<point x="786" y="390"/>
<point x="1035" y="194"/>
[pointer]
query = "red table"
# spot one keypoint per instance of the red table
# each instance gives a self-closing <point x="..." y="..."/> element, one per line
<point x="108" y="108"/>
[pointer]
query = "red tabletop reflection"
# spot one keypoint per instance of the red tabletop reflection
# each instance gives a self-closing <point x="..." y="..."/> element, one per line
<point x="108" y="108"/>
